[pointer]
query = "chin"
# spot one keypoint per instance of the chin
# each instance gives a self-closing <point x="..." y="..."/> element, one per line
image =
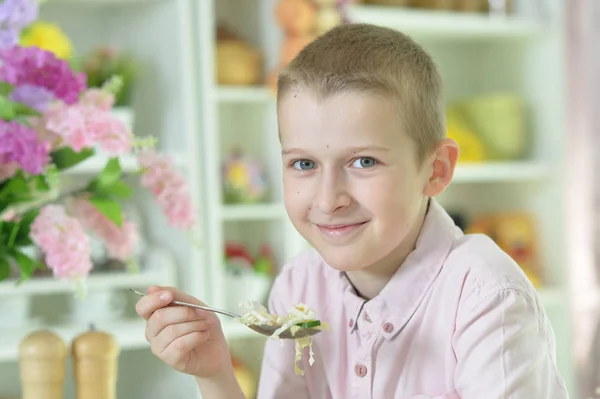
<point x="343" y="259"/>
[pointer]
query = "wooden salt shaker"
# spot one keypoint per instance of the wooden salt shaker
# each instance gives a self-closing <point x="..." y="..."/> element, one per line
<point x="42" y="358"/>
<point x="95" y="359"/>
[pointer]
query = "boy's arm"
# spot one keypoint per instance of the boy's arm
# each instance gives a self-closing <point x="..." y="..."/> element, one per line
<point x="224" y="386"/>
<point x="278" y="378"/>
<point x="505" y="349"/>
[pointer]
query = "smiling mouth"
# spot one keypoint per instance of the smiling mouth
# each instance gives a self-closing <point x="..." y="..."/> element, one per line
<point x="340" y="230"/>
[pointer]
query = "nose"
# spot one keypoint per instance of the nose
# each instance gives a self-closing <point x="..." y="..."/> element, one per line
<point x="332" y="194"/>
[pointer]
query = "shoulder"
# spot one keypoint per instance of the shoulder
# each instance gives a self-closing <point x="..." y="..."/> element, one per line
<point x="305" y="278"/>
<point x="483" y="270"/>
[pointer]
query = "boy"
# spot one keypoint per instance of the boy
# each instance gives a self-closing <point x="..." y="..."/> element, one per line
<point x="417" y="308"/>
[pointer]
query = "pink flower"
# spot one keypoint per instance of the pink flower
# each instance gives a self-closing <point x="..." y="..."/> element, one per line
<point x="120" y="242"/>
<point x="70" y="125"/>
<point x="21" y="146"/>
<point x="111" y="134"/>
<point x="98" y="98"/>
<point x="169" y="188"/>
<point x="36" y="67"/>
<point x="88" y="123"/>
<point x="63" y="240"/>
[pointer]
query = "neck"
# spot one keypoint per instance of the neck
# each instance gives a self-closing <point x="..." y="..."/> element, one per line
<point x="370" y="281"/>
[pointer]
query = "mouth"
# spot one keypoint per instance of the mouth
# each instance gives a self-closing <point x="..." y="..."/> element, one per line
<point x="340" y="230"/>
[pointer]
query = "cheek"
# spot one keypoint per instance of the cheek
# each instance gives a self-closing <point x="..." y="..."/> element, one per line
<point x="392" y="200"/>
<point x="296" y="197"/>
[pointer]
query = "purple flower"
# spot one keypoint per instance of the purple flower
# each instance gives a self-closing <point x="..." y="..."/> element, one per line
<point x="36" y="97"/>
<point x="20" y="144"/>
<point x="17" y="14"/>
<point x="36" y="67"/>
<point x="8" y="38"/>
<point x="14" y="16"/>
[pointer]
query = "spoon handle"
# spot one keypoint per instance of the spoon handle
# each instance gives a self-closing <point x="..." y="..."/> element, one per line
<point x="191" y="305"/>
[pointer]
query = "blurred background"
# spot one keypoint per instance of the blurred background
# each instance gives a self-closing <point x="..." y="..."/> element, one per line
<point x="522" y="83"/>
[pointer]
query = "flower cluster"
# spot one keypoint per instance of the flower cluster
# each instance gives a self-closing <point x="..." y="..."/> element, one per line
<point x="22" y="66"/>
<point x="21" y="148"/>
<point x="50" y="121"/>
<point x="64" y="242"/>
<point x="169" y="188"/>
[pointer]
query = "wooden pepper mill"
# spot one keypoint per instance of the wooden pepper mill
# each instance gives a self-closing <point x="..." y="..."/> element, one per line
<point x="95" y="359"/>
<point x="42" y="358"/>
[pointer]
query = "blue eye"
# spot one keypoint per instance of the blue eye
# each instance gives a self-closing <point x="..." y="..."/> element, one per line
<point x="364" y="162"/>
<point x="304" y="164"/>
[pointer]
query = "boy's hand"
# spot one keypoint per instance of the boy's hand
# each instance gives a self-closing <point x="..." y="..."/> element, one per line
<point x="189" y="340"/>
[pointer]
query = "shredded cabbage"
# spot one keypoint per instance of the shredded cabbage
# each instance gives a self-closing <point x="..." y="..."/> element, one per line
<point x="257" y="314"/>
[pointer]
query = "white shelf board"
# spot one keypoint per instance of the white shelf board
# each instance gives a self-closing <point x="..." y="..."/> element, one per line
<point x="252" y="212"/>
<point x="50" y="285"/>
<point x="244" y="94"/>
<point x="128" y="163"/>
<point x="444" y="24"/>
<point x="129" y="335"/>
<point x="500" y="172"/>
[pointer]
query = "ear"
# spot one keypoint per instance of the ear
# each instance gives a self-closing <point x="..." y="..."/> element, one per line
<point x="443" y="159"/>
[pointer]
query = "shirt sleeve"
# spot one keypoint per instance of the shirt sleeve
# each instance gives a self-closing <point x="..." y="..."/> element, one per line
<point x="505" y="348"/>
<point x="278" y="378"/>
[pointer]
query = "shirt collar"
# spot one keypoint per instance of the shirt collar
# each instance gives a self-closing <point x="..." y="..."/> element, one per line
<point x="399" y="299"/>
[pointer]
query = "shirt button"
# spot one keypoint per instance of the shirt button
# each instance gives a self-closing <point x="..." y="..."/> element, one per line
<point x="367" y="318"/>
<point x="351" y="323"/>
<point x="360" y="370"/>
<point x="388" y="327"/>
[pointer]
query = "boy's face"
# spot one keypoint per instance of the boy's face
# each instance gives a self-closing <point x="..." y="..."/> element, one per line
<point x="352" y="184"/>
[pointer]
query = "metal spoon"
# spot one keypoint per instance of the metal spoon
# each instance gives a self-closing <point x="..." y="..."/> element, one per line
<point x="264" y="329"/>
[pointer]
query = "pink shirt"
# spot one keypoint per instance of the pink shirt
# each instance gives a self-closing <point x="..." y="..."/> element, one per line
<point x="459" y="320"/>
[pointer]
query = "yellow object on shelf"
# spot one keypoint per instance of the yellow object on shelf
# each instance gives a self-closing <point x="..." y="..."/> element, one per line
<point x="515" y="233"/>
<point x="47" y="36"/>
<point x="499" y="121"/>
<point x="245" y="379"/>
<point x="471" y="147"/>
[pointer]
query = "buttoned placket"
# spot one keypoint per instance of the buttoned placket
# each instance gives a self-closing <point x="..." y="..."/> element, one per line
<point x="368" y="329"/>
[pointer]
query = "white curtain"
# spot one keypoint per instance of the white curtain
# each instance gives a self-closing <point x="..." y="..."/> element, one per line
<point x="583" y="193"/>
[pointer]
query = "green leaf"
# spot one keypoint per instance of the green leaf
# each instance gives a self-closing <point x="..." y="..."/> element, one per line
<point x="26" y="264"/>
<point x="5" y="89"/>
<point x="66" y="157"/>
<point x="25" y="110"/>
<point x="23" y="239"/>
<point x="7" y="109"/>
<point x="109" y="208"/>
<point x="118" y="189"/>
<point x="109" y="175"/>
<point x="41" y="183"/>
<point x="4" y="268"/>
<point x="12" y="236"/>
<point x="15" y="187"/>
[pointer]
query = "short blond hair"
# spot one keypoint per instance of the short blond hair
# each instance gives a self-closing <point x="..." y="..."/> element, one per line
<point x="369" y="58"/>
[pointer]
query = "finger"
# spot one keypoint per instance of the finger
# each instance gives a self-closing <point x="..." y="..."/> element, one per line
<point x="148" y="304"/>
<point x="155" y="288"/>
<point x="173" y="332"/>
<point x="177" y="354"/>
<point x="167" y="316"/>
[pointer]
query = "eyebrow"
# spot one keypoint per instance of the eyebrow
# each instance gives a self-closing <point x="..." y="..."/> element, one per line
<point x="352" y="149"/>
